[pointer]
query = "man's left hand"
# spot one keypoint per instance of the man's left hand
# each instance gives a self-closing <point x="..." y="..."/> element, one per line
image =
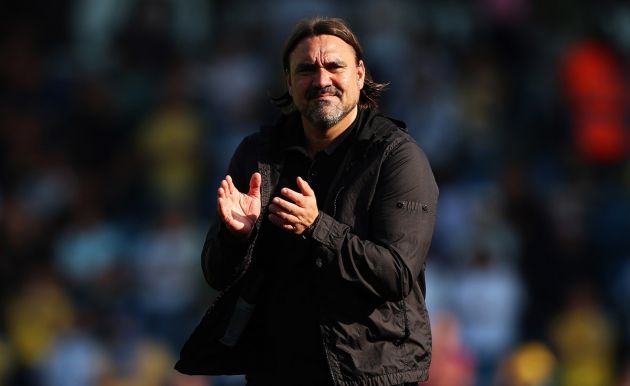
<point x="298" y="212"/>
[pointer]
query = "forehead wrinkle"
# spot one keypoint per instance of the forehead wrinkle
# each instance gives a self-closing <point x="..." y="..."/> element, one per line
<point x="323" y="63"/>
<point x="322" y="50"/>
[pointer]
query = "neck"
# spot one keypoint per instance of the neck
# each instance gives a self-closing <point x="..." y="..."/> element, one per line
<point x="318" y="139"/>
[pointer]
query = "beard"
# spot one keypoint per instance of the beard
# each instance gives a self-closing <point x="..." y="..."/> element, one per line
<point x="325" y="114"/>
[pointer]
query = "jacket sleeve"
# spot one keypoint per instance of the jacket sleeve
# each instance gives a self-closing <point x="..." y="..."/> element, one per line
<point x="402" y="215"/>
<point x="223" y="254"/>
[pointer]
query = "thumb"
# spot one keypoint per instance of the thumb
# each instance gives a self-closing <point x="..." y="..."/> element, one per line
<point x="254" y="185"/>
<point x="305" y="188"/>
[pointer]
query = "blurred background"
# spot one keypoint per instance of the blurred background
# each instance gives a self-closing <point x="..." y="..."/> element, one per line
<point x="118" y="118"/>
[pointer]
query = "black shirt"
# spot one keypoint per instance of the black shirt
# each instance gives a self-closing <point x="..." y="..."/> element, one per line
<point x="290" y="341"/>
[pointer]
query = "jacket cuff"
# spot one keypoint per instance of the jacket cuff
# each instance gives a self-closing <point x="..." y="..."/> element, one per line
<point x="233" y="245"/>
<point x="308" y="232"/>
<point x="231" y="239"/>
<point x="326" y="230"/>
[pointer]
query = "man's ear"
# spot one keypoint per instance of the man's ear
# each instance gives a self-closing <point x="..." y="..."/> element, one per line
<point x="287" y="78"/>
<point x="360" y="74"/>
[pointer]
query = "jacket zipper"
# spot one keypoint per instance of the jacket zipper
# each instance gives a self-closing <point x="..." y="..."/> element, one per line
<point x="334" y="213"/>
<point x="403" y="305"/>
<point x="326" y="350"/>
<point x="241" y="274"/>
<point x="328" y="359"/>
<point x="406" y="332"/>
<point x="250" y="248"/>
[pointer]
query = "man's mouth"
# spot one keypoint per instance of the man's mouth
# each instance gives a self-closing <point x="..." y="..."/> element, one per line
<point x="323" y="93"/>
<point x="324" y="97"/>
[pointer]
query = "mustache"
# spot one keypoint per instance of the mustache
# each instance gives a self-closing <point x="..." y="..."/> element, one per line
<point x="314" y="92"/>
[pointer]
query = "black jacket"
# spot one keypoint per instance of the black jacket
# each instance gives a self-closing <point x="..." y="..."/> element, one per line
<point x="370" y="245"/>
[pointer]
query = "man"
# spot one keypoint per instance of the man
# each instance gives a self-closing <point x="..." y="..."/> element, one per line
<point x="325" y="223"/>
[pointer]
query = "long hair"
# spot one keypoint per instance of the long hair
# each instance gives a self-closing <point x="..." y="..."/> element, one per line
<point x="335" y="27"/>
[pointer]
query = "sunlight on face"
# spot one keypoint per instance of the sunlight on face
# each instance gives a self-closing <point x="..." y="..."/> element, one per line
<point x="325" y="80"/>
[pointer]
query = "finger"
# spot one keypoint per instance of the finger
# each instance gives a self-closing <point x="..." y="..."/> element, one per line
<point x="230" y="183"/>
<point x="221" y="200"/>
<point x="254" y="185"/>
<point x="287" y="206"/>
<point x="222" y="195"/>
<point x="225" y="187"/>
<point x="277" y="221"/>
<point x="283" y="214"/>
<point x="305" y="188"/>
<point x="292" y="195"/>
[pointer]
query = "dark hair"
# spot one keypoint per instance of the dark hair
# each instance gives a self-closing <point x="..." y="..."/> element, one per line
<point x="335" y="27"/>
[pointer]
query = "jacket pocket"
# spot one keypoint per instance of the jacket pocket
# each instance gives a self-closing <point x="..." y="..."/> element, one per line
<point x="406" y="332"/>
<point x="388" y="323"/>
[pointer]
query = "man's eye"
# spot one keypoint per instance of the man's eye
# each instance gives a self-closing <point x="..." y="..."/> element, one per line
<point x="335" y="68"/>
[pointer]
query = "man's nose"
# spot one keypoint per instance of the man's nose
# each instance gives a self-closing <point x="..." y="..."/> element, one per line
<point x="322" y="78"/>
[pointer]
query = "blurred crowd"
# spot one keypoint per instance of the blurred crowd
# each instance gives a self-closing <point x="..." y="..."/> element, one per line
<point x="118" y="118"/>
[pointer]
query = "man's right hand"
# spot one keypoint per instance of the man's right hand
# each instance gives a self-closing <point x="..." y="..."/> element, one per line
<point x="239" y="211"/>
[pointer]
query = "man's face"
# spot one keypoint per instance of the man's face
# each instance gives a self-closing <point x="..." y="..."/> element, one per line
<point x="325" y="79"/>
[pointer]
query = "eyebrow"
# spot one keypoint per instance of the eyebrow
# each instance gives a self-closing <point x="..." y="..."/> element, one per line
<point x="309" y="66"/>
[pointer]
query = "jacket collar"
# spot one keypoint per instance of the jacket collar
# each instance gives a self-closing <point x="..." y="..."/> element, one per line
<point x="371" y="128"/>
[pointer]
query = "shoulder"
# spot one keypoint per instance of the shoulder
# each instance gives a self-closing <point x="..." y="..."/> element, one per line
<point x="389" y="134"/>
<point x="399" y="150"/>
<point x="379" y="127"/>
<point x="267" y="134"/>
<point x="404" y="163"/>
<point x="249" y="146"/>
